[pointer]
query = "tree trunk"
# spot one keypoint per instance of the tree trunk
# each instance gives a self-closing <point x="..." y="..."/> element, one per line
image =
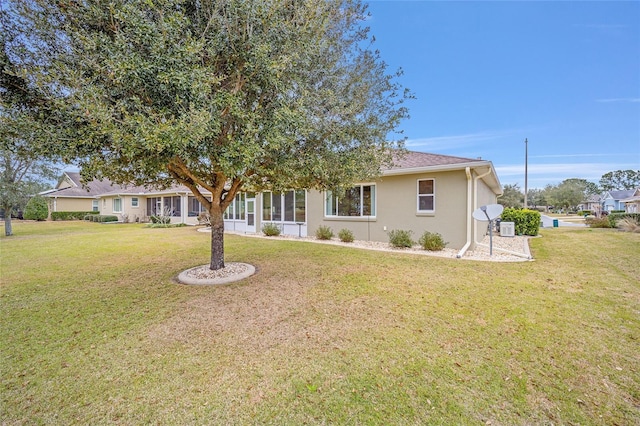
<point x="217" y="240"/>
<point x="7" y="223"/>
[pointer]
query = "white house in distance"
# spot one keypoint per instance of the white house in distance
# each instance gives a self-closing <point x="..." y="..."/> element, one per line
<point x="421" y="192"/>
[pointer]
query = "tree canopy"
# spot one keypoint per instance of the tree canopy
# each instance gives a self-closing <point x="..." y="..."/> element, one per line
<point x="511" y="196"/>
<point x="23" y="117"/>
<point x="569" y="193"/>
<point x="218" y="95"/>
<point x="620" y="180"/>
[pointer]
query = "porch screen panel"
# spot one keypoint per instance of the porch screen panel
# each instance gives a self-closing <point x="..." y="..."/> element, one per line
<point x="277" y="207"/>
<point x="266" y="206"/>
<point x="301" y="214"/>
<point x="177" y="206"/>
<point x="288" y="206"/>
<point x="239" y="206"/>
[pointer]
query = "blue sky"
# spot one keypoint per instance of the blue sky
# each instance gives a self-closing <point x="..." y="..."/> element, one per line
<point x="488" y="74"/>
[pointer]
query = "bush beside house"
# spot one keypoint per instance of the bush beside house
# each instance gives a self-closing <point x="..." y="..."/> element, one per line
<point x="71" y="215"/>
<point x="36" y="209"/>
<point x="614" y="218"/>
<point x="526" y="222"/>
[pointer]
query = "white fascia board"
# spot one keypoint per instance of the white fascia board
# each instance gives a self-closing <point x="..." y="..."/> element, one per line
<point x="440" y="168"/>
<point x="450" y="167"/>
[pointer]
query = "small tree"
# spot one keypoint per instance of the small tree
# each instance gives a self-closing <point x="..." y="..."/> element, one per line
<point x="569" y="193"/>
<point x="36" y="209"/>
<point x="217" y="95"/>
<point x="511" y="196"/>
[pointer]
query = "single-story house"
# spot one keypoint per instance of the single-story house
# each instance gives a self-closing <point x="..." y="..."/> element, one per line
<point x="632" y="203"/>
<point x="421" y="192"/>
<point x="612" y="200"/>
<point x="70" y="195"/>
<point x="593" y="204"/>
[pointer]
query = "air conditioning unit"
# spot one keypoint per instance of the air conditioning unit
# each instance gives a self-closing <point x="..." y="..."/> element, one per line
<point x="507" y="229"/>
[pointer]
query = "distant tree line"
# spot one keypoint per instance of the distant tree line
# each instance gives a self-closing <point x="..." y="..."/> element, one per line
<point x="570" y="192"/>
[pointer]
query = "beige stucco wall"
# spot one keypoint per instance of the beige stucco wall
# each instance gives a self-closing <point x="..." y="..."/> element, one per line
<point x="57" y="204"/>
<point x="396" y="208"/>
<point x="140" y="213"/>
<point x="485" y="196"/>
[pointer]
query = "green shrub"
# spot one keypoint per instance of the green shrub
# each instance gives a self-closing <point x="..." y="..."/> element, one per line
<point x="584" y="212"/>
<point x="107" y="218"/>
<point x="166" y="225"/>
<point x="598" y="222"/>
<point x="101" y="218"/>
<point x="615" y="217"/>
<point x="36" y="209"/>
<point x="71" y="215"/>
<point x="345" y="235"/>
<point x="400" y="238"/>
<point x="324" y="233"/>
<point x="270" y="229"/>
<point x="432" y="241"/>
<point x="526" y="222"/>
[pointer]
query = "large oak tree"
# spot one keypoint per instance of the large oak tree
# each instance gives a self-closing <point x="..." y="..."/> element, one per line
<point x="218" y="95"/>
<point x="24" y="115"/>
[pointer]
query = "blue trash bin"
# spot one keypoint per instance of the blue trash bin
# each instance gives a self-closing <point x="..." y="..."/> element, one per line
<point x="555" y="223"/>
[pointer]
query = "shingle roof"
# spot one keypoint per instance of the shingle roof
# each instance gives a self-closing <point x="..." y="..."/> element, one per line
<point x="619" y="195"/>
<point x="414" y="159"/>
<point x="95" y="188"/>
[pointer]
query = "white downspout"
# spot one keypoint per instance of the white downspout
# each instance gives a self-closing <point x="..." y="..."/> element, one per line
<point x="475" y="192"/>
<point x="470" y="208"/>
<point x="469" y="217"/>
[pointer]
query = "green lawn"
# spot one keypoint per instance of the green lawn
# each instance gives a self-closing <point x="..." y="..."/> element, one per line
<point x="94" y="330"/>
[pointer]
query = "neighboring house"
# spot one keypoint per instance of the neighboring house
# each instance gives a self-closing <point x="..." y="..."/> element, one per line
<point x="632" y="203"/>
<point x="70" y="195"/>
<point x="612" y="200"/>
<point x="421" y="192"/>
<point x="593" y="204"/>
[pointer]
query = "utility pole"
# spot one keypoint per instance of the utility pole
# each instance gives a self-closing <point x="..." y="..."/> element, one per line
<point x="526" y="160"/>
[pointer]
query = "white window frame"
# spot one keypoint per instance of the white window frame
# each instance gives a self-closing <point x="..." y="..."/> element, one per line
<point x="135" y="202"/>
<point x="419" y="195"/>
<point x="283" y="207"/>
<point x="119" y="200"/>
<point x="336" y="200"/>
<point x="236" y="210"/>
<point x="95" y="206"/>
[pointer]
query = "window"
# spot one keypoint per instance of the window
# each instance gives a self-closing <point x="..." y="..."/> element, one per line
<point x="426" y="195"/>
<point x="355" y="202"/>
<point x="134" y="202"/>
<point x="289" y="206"/>
<point x="239" y="204"/>
<point x="117" y="205"/>
<point x="154" y="206"/>
<point x="94" y="205"/>
<point x="195" y="207"/>
<point x="236" y="208"/>
<point x="172" y="206"/>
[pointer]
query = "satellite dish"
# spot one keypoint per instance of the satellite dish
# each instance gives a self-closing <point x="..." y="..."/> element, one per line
<point x="488" y="213"/>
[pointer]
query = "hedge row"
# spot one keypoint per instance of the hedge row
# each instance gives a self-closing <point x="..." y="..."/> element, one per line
<point x="526" y="222"/>
<point x="71" y="215"/>
<point x="615" y="217"/>
<point x="101" y="218"/>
